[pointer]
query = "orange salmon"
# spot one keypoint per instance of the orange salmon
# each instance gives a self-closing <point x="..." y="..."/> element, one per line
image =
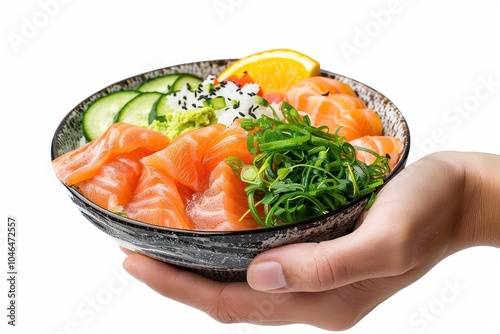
<point x="157" y="201"/>
<point x="383" y="145"/>
<point x="83" y="163"/>
<point x="223" y="205"/>
<point x="182" y="160"/>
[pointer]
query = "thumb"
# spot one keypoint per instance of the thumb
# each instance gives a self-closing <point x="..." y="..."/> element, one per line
<point x="361" y="255"/>
<point x="410" y="223"/>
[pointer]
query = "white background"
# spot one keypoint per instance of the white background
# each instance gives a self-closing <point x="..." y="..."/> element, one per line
<point x="431" y="58"/>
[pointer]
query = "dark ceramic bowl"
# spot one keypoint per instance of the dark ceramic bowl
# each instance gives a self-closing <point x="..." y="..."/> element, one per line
<point x="223" y="256"/>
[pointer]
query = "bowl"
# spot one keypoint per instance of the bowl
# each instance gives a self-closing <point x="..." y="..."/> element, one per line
<point x="222" y="256"/>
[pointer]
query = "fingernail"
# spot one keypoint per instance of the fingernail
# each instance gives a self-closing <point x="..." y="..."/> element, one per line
<point x="266" y="276"/>
<point x="126" y="250"/>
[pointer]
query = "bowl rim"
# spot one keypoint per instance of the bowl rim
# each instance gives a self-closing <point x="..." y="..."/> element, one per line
<point x="177" y="231"/>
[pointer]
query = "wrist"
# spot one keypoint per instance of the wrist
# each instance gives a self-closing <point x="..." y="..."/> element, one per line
<point x="478" y="219"/>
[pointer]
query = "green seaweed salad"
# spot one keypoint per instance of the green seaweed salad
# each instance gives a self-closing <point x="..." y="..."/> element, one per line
<point x="300" y="171"/>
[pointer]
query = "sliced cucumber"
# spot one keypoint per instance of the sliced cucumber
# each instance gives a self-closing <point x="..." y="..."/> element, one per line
<point x="186" y="79"/>
<point x="216" y="103"/>
<point x="138" y="110"/>
<point x="208" y="87"/>
<point x="162" y="108"/>
<point x="161" y="84"/>
<point x="99" y="116"/>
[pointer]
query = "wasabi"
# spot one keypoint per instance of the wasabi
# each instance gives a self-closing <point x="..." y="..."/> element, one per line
<point x="177" y="122"/>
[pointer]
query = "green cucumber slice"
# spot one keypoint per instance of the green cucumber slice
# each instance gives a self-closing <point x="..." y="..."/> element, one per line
<point x="162" y="108"/>
<point x="99" y="116"/>
<point x="138" y="110"/>
<point x="186" y="79"/>
<point x="216" y="103"/>
<point x="161" y="84"/>
<point x="208" y="87"/>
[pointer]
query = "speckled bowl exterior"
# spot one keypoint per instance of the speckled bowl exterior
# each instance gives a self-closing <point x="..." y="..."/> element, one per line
<point x="222" y="256"/>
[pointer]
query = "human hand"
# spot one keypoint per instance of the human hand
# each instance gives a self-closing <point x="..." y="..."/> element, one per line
<point x="418" y="219"/>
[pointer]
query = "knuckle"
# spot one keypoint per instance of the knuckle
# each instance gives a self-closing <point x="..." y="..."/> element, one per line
<point x="223" y="315"/>
<point x="320" y="272"/>
<point x="223" y="310"/>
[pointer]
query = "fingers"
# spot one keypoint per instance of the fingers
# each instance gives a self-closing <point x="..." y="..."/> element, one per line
<point x="227" y="303"/>
<point x="337" y="309"/>
<point x="126" y="250"/>
<point x="165" y="279"/>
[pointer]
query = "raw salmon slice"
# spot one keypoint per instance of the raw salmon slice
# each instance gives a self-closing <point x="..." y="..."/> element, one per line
<point x="182" y="158"/>
<point x="354" y="123"/>
<point x="322" y="110"/>
<point x="346" y="102"/>
<point x="231" y="142"/>
<point x="222" y="206"/>
<point x="383" y="145"/>
<point x="369" y="123"/>
<point x="358" y="123"/>
<point x="112" y="187"/>
<point x="274" y="97"/>
<point x="185" y="193"/>
<point x="83" y="163"/>
<point x="297" y="94"/>
<point x="157" y="201"/>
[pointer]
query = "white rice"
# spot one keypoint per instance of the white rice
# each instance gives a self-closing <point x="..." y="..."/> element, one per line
<point x="240" y="103"/>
